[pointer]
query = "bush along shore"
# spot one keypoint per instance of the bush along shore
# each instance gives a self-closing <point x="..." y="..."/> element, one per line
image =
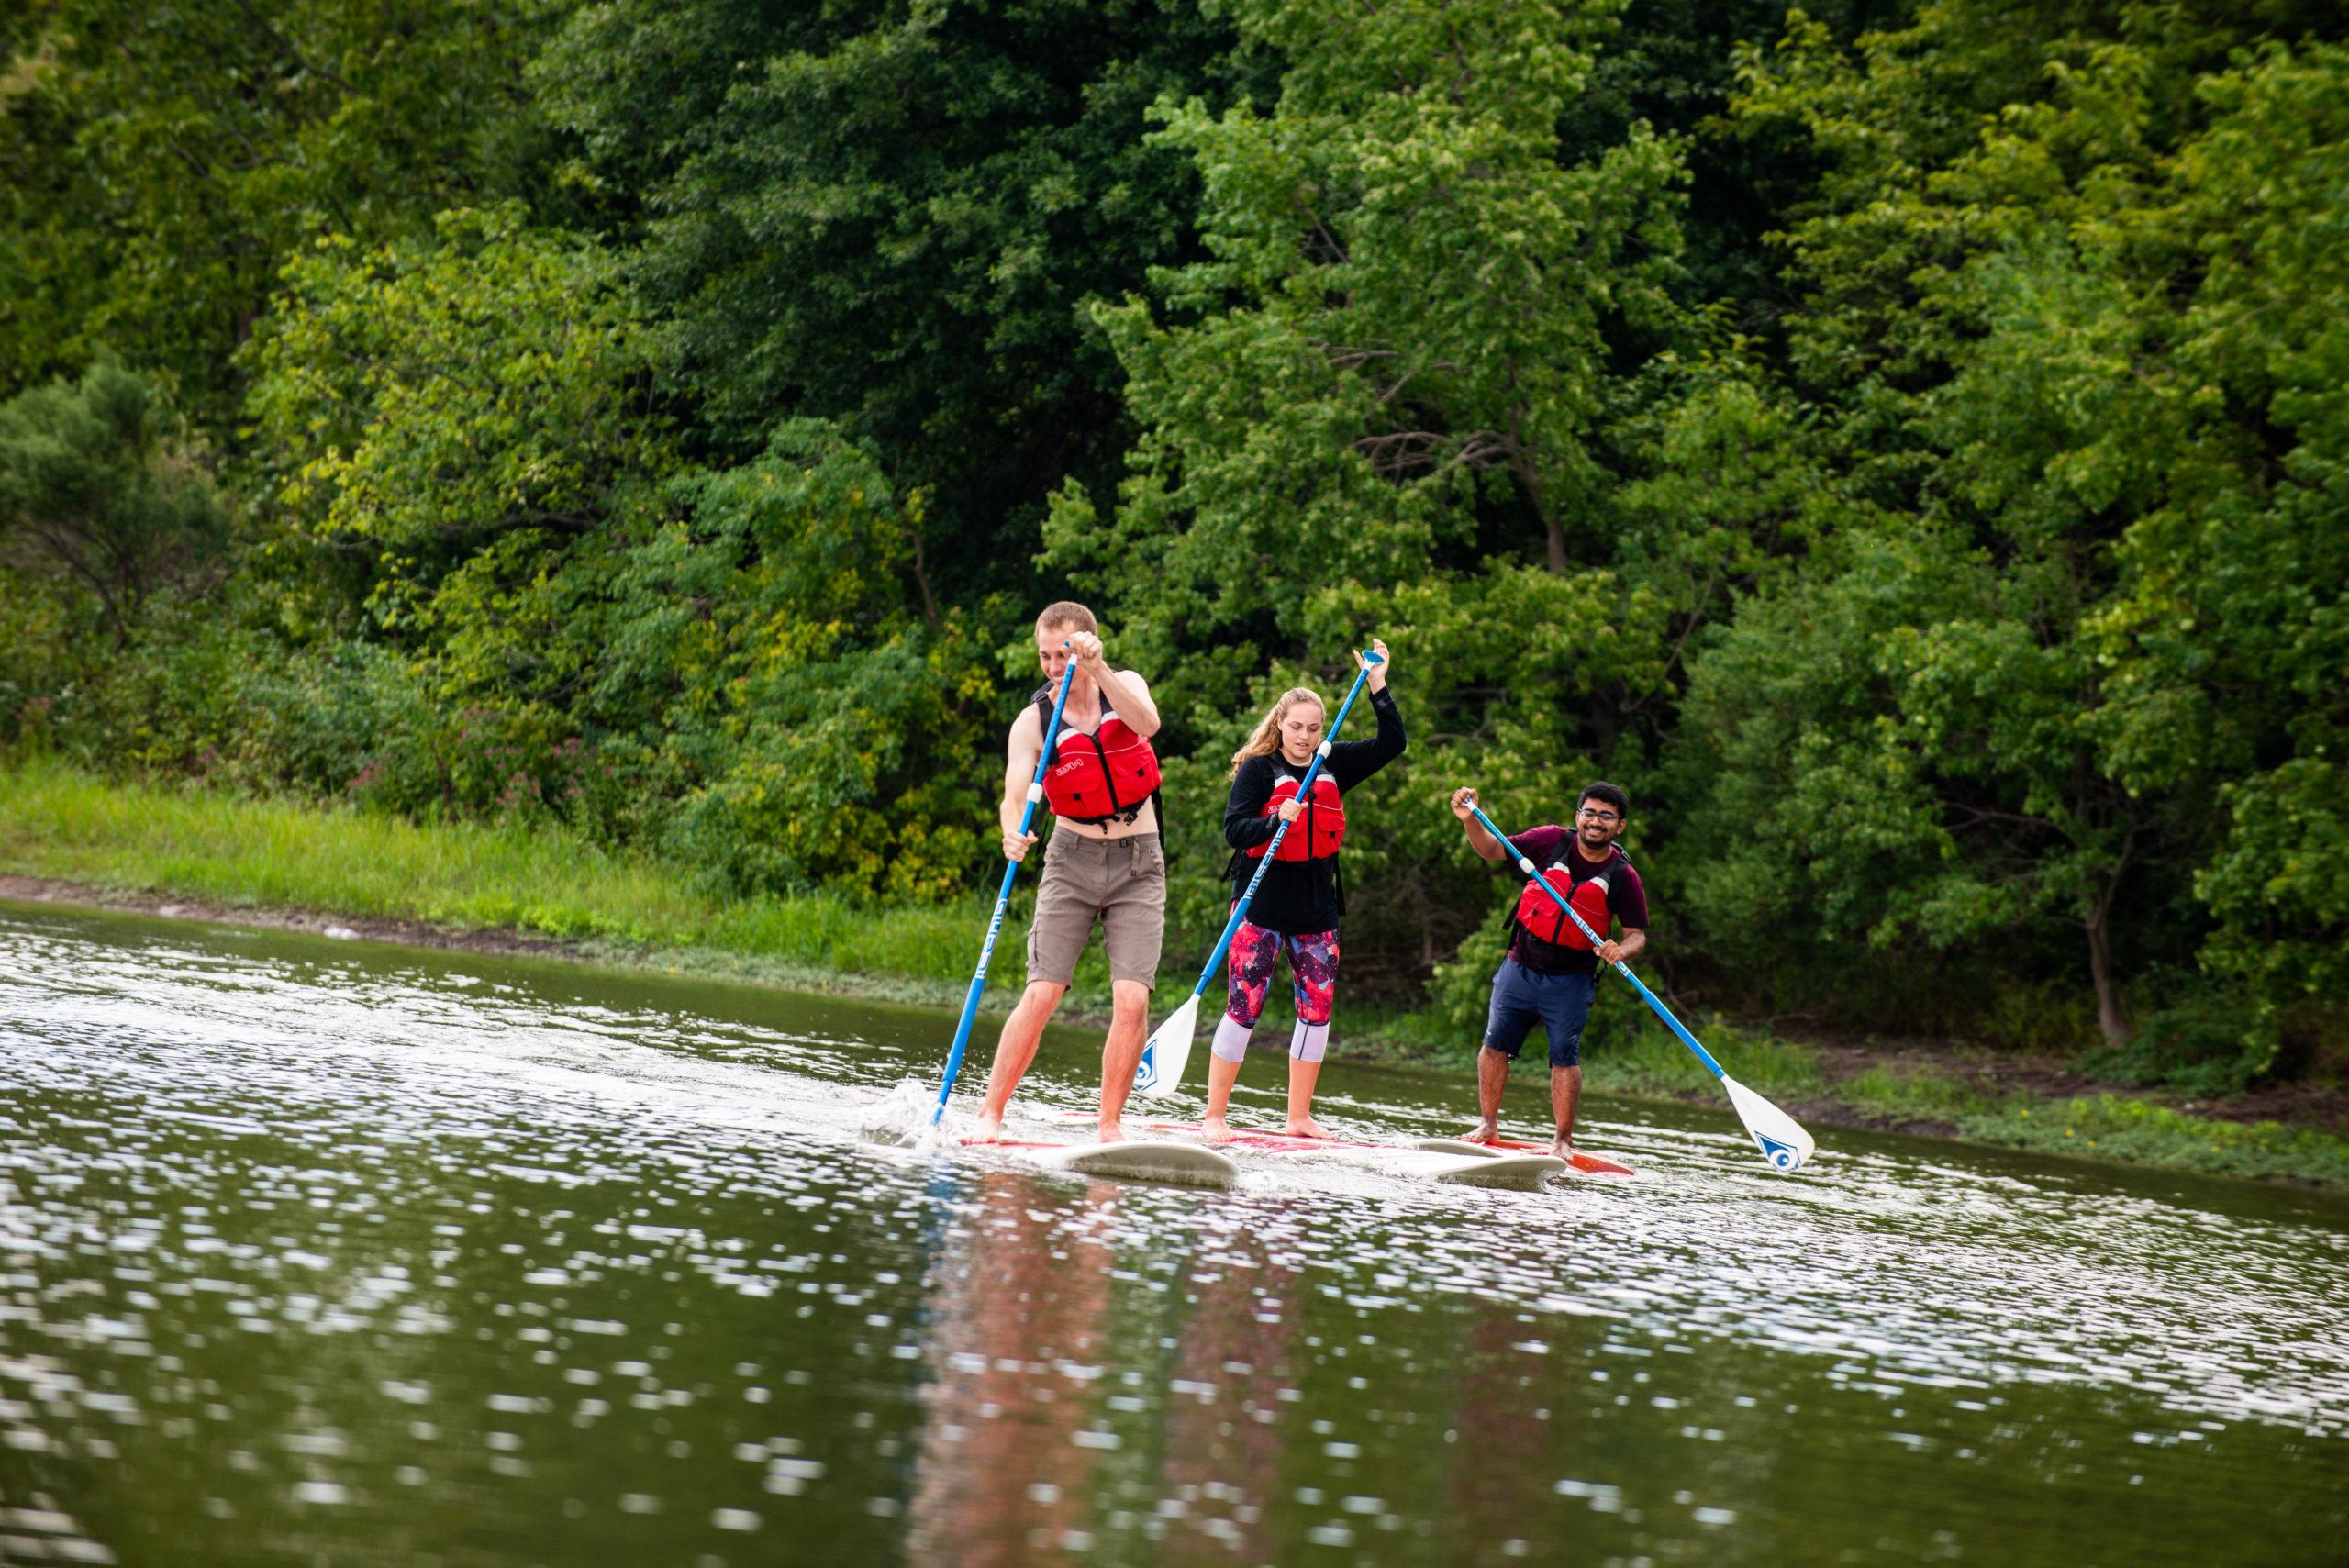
<point x="68" y="837"/>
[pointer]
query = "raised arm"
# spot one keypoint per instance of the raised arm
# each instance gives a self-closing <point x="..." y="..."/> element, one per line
<point x="1351" y="761"/>
<point x="1463" y="801"/>
<point x="1127" y="692"/>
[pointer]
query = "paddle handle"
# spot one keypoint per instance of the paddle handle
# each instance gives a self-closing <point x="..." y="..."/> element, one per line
<point x="1002" y="902"/>
<point x="1525" y="864"/>
<point x="1321" y="755"/>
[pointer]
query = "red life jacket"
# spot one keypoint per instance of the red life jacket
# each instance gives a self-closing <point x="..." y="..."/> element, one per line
<point x="1538" y="911"/>
<point x="1105" y="776"/>
<point x="1315" y="835"/>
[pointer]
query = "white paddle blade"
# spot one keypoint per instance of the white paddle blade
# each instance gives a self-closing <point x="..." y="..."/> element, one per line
<point x="1781" y="1138"/>
<point x="1167" y="1051"/>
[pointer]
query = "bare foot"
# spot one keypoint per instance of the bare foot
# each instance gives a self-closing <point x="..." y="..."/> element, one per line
<point x="1487" y="1132"/>
<point x="1562" y="1147"/>
<point x="1304" y="1126"/>
<point x="1215" y="1131"/>
<point x="1112" y="1133"/>
<point x="986" y="1130"/>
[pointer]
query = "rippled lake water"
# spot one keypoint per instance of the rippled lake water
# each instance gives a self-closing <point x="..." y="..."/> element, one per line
<point x="323" y="1253"/>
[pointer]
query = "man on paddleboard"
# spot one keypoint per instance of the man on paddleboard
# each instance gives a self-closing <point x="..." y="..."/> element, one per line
<point x="1104" y="864"/>
<point x="1551" y="971"/>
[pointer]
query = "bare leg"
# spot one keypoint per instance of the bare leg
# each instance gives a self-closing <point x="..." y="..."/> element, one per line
<point x="1492" y="1077"/>
<point x="1566" y="1088"/>
<point x="1122" y="1052"/>
<point x="1221" y="1076"/>
<point x="1301" y="1076"/>
<point x="1014" y="1049"/>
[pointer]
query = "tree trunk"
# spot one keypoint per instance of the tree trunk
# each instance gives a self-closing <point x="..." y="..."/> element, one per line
<point x="2111" y="1021"/>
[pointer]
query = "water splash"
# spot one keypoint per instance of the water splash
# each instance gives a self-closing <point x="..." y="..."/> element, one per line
<point x="904" y="1117"/>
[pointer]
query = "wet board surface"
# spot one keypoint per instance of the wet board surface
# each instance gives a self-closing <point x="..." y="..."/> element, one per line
<point x="1588" y="1164"/>
<point x="1519" y="1171"/>
<point x="1154" y="1159"/>
<point x="1286" y="1142"/>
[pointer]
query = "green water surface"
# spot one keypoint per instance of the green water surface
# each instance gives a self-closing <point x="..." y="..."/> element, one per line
<point x="321" y="1253"/>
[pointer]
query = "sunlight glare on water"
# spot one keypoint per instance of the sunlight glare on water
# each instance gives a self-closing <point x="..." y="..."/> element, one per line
<point x="312" y="1251"/>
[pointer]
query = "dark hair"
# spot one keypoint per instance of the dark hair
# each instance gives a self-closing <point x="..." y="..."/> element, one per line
<point x="1602" y="791"/>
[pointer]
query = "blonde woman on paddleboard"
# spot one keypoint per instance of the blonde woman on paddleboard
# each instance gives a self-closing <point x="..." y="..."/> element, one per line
<point x="1297" y="906"/>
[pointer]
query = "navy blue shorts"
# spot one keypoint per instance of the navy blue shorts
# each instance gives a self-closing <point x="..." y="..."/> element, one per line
<point x="1559" y="1003"/>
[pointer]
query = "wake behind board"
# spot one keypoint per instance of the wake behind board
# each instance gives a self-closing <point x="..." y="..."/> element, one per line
<point x="1162" y="1161"/>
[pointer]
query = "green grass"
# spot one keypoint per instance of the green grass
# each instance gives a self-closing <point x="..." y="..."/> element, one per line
<point x="2111" y="1127"/>
<point x="535" y="877"/>
<point x="2105" y="1127"/>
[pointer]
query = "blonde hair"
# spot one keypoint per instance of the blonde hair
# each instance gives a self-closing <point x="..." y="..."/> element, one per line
<point x="1267" y="736"/>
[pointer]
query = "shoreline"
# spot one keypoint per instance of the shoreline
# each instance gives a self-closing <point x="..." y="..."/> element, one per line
<point x="1957" y="1096"/>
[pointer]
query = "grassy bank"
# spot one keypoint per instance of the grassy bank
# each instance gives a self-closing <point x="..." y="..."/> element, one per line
<point x="532" y="878"/>
<point x="538" y="879"/>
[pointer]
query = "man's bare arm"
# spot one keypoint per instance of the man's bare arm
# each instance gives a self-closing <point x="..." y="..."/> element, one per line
<point x="1129" y="695"/>
<point x="1027" y="744"/>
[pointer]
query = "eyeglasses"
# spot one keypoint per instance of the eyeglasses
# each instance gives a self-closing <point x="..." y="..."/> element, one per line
<point x="1601" y="817"/>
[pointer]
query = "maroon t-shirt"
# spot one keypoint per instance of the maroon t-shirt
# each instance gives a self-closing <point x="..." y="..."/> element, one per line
<point x="1627" y="900"/>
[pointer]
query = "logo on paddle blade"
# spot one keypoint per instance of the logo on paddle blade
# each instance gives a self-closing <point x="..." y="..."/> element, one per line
<point x="1146" y="1074"/>
<point x="1786" y="1157"/>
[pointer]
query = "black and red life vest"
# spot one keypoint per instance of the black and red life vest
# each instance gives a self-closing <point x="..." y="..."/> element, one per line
<point x="1538" y="911"/>
<point x="1105" y="776"/>
<point x="1317" y="832"/>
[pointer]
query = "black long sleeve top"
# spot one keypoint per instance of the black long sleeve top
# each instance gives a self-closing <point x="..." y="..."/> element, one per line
<point x="1300" y="896"/>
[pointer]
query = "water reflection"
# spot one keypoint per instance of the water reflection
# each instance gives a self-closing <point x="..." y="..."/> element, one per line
<point x="1018" y="1346"/>
<point x="310" y="1253"/>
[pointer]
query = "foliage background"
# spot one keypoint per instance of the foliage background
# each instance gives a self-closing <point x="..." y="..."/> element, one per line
<point x="1904" y="444"/>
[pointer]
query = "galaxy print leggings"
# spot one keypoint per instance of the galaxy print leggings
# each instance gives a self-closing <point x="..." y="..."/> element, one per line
<point x="1313" y="969"/>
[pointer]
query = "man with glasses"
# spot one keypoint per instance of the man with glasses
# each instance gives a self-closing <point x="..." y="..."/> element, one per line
<point x="1552" y="968"/>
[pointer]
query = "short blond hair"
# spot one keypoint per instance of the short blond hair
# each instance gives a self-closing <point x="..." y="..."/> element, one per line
<point x="1067" y="612"/>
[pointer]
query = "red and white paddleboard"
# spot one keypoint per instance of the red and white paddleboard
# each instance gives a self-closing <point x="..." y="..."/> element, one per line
<point x="1588" y="1164"/>
<point x="1293" y="1144"/>
<point x="1457" y="1161"/>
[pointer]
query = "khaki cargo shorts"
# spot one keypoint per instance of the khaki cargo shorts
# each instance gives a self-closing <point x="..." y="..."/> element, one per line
<point x="1121" y="883"/>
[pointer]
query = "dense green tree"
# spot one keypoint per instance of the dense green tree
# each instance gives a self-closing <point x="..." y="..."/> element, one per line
<point x="1374" y="409"/>
<point x="2007" y="343"/>
<point x="101" y="492"/>
<point x="157" y="163"/>
<point x="462" y="420"/>
<point x="747" y="665"/>
<point x="891" y="214"/>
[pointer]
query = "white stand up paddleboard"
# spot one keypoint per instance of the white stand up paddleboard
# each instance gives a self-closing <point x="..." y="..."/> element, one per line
<point x="1177" y="1164"/>
<point x="1458" y="1146"/>
<point x="1474" y="1165"/>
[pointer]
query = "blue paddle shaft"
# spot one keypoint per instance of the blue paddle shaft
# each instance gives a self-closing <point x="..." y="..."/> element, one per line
<point x="1525" y="864"/>
<point x="1002" y="901"/>
<point x="1240" y="910"/>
